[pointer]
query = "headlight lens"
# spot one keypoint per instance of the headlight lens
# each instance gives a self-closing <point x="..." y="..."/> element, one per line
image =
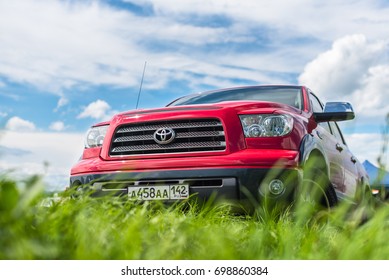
<point x="95" y="136"/>
<point x="266" y="125"/>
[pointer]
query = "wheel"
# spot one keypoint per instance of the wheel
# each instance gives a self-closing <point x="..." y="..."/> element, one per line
<point x="315" y="194"/>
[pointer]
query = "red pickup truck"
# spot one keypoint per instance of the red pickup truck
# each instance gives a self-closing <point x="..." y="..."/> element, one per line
<point x="240" y="144"/>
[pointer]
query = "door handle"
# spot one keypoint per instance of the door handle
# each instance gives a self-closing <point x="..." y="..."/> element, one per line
<point x="353" y="159"/>
<point x="339" y="147"/>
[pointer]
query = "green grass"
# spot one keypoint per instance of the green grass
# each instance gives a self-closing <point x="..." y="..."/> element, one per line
<point x="110" y="228"/>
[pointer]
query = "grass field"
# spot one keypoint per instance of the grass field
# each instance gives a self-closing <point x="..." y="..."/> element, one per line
<point x="86" y="228"/>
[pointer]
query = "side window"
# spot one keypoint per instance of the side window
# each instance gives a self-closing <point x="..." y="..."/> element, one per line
<point x="315" y="103"/>
<point x="337" y="133"/>
<point x="318" y="107"/>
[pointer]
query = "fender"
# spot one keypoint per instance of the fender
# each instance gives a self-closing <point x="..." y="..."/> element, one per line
<point x="311" y="144"/>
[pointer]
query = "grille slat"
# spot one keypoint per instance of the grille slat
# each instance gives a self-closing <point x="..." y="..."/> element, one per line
<point x="174" y="126"/>
<point x="147" y="137"/>
<point x="192" y="145"/>
<point x="190" y="136"/>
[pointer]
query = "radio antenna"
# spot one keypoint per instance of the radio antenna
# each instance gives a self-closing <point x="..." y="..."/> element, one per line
<point x="141" y="83"/>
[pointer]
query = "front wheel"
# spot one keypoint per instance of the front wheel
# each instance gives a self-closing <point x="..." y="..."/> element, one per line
<point x="315" y="192"/>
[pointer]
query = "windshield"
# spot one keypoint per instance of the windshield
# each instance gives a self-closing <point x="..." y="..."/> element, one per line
<point x="289" y="95"/>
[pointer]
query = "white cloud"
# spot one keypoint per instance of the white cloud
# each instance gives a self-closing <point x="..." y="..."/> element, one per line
<point x="99" y="110"/>
<point x="341" y="70"/>
<point x="57" y="126"/>
<point x="68" y="44"/>
<point x="354" y="70"/>
<point x="61" y="102"/>
<point x="371" y="99"/>
<point x="366" y="146"/>
<point x="3" y="114"/>
<point x="19" y="124"/>
<point x="341" y="17"/>
<point x="59" y="150"/>
<point x="9" y="95"/>
<point x="81" y="43"/>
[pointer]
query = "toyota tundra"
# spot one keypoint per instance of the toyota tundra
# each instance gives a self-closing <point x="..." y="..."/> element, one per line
<point x="239" y="144"/>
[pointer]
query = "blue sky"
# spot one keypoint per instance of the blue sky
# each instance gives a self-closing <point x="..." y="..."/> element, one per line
<point x="65" y="65"/>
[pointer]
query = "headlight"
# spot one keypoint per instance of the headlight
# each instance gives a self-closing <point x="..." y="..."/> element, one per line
<point x="266" y="125"/>
<point x="95" y="136"/>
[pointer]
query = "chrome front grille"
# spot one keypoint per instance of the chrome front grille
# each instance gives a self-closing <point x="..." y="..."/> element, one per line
<point x="200" y="135"/>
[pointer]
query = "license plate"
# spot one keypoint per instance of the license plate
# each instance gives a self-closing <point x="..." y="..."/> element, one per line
<point x="165" y="192"/>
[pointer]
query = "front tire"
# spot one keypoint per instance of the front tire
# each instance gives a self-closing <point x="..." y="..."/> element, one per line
<point x="317" y="189"/>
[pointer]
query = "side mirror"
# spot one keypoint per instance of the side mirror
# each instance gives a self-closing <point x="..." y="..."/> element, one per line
<point x="335" y="111"/>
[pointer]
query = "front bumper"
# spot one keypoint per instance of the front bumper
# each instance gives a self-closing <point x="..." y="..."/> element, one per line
<point x="247" y="186"/>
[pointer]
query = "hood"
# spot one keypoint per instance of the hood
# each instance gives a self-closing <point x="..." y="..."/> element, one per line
<point x="237" y="105"/>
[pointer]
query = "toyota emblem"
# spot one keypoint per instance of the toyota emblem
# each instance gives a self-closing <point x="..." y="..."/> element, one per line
<point x="164" y="135"/>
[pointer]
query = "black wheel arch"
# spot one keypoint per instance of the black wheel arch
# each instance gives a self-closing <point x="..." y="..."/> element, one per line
<point x="310" y="147"/>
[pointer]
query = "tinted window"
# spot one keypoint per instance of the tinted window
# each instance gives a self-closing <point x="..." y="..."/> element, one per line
<point x="318" y="107"/>
<point x="287" y="95"/>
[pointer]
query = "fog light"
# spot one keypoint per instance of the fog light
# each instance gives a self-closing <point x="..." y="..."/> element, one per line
<point x="276" y="187"/>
